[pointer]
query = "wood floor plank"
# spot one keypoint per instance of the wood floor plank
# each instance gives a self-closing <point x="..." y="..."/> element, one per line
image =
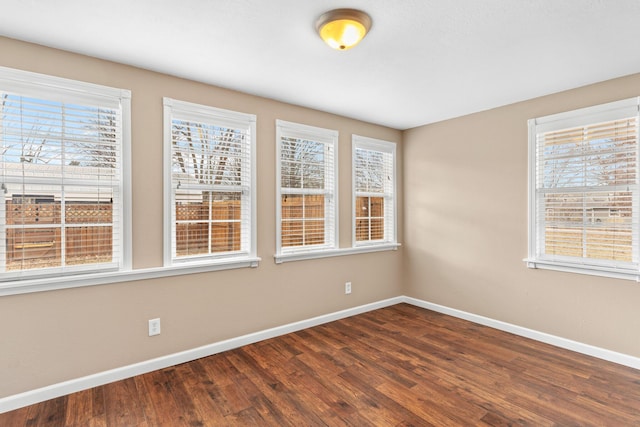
<point x="123" y="404"/>
<point x="204" y="394"/>
<point x="51" y="413"/>
<point x="79" y="408"/>
<point x="172" y="400"/>
<point x="18" y="417"/>
<point x="275" y="386"/>
<point x="485" y="393"/>
<point x="397" y="366"/>
<point x="389" y="412"/>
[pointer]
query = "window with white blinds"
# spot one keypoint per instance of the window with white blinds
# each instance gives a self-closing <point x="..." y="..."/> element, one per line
<point x="584" y="211"/>
<point x="210" y="183"/>
<point x="307" y="192"/>
<point x="374" y="209"/>
<point x="62" y="176"/>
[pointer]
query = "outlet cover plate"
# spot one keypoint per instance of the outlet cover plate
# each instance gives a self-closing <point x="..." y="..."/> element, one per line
<point x="154" y="327"/>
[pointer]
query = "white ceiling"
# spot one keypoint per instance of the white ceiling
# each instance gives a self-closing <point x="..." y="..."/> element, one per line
<point x="423" y="60"/>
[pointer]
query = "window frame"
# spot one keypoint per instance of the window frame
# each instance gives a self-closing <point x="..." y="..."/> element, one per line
<point x="390" y="209"/>
<point x="330" y="139"/>
<point x="242" y="258"/>
<point x="67" y="91"/>
<point x="583" y="117"/>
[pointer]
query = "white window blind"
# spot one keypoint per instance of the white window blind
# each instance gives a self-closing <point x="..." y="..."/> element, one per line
<point x="61" y="172"/>
<point x="584" y="206"/>
<point x="306" y="188"/>
<point x="374" y="191"/>
<point x="210" y="163"/>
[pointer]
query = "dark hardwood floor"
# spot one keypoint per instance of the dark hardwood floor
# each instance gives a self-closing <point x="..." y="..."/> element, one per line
<point x="398" y="366"/>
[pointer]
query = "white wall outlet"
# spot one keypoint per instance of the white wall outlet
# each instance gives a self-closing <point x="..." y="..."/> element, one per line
<point x="347" y="288"/>
<point x="154" y="327"/>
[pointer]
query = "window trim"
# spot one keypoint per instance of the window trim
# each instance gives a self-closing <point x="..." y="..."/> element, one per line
<point x="575" y="118"/>
<point x="227" y="117"/>
<point x="105" y="278"/>
<point x="372" y="144"/>
<point x="327" y="136"/>
<point x="43" y="86"/>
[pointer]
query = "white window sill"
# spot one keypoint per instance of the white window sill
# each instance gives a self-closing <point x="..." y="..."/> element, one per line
<point x="614" y="273"/>
<point x="326" y="253"/>
<point x="80" y="280"/>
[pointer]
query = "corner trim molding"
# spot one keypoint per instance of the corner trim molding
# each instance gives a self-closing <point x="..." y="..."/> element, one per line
<point x="31" y="397"/>
<point x="578" y="347"/>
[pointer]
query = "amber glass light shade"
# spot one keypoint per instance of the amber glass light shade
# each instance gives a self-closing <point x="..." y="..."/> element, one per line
<point x="342" y="29"/>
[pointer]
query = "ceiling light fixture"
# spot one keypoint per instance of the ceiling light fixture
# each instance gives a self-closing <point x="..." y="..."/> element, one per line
<point x="342" y="29"/>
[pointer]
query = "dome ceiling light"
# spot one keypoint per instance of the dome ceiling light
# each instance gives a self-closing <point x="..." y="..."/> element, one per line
<point x="342" y="29"/>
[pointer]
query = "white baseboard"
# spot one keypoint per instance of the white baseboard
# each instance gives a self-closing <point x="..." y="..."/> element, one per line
<point x="578" y="347"/>
<point x="31" y="397"/>
<point x="56" y="390"/>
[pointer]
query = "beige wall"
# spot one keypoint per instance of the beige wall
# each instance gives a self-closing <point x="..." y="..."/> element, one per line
<point x="49" y="337"/>
<point x="465" y="184"/>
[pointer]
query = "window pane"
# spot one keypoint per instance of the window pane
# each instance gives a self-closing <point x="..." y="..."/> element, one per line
<point x="371" y="170"/>
<point x="609" y="243"/>
<point x="88" y="245"/>
<point x="39" y="132"/>
<point x="591" y="225"/>
<point x="605" y="243"/>
<point x="292" y="206"/>
<point x="87" y="238"/>
<point x="38" y="205"/>
<point x="226" y="226"/>
<point x="596" y="155"/>
<point x="370" y="218"/>
<point x="566" y="241"/>
<point x="313" y="232"/>
<point x="377" y="229"/>
<point x="192" y="238"/>
<point x="302" y="163"/>
<point x="314" y="207"/>
<point x="292" y="233"/>
<point x="362" y="229"/>
<point x="207" y="154"/>
<point x="205" y="217"/>
<point x="192" y="206"/>
<point x="33" y="248"/>
<point x="303" y="220"/>
<point x="377" y="206"/>
<point x="313" y="175"/>
<point x="89" y="208"/>
<point x="291" y="175"/>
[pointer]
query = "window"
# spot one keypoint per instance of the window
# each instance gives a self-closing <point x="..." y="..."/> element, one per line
<point x="306" y="199"/>
<point x="374" y="209"/>
<point x="63" y="176"/>
<point x="209" y="183"/>
<point x="583" y="179"/>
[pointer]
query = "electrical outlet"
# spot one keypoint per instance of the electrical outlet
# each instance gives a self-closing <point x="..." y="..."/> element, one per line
<point x="154" y="327"/>
<point x="347" y="288"/>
